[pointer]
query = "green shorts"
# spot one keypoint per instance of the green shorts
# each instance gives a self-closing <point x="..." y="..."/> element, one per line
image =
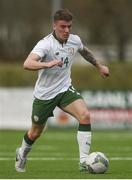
<point x="43" y="109"/>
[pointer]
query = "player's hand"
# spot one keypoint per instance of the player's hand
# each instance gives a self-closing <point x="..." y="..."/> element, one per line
<point x="104" y="71"/>
<point x="54" y="63"/>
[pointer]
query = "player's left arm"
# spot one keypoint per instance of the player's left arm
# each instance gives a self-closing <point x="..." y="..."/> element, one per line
<point x="88" y="56"/>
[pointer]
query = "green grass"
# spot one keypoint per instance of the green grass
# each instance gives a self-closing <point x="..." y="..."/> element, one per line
<point x="62" y="146"/>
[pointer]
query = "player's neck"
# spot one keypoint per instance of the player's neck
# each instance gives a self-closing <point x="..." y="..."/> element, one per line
<point x="60" y="41"/>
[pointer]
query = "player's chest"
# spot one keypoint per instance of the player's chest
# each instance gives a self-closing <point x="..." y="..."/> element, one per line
<point x="63" y="51"/>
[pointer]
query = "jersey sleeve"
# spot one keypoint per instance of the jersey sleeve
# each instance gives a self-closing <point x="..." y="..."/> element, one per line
<point x="80" y="44"/>
<point x="41" y="48"/>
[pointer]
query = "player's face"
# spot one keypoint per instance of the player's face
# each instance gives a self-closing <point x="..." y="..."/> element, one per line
<point x="62" y="29"/>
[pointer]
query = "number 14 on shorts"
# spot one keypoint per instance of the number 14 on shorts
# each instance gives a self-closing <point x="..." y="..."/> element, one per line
<point x="72" y="89"/>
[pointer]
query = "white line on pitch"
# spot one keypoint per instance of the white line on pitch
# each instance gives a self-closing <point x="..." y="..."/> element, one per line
<point x="61" y="158"/>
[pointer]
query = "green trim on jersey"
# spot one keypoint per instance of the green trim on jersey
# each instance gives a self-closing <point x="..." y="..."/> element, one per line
<point x="43" y="109"/>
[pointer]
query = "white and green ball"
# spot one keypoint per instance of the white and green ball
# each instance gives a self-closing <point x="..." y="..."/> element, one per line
<point x="97" y="163"/>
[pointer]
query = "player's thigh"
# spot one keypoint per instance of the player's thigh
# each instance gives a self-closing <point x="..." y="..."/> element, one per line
<point x="42" y="110"/>
<point x="79" y="110"/>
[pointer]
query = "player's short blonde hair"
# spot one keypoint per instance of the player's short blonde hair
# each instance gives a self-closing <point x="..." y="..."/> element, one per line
<point x="63" y="14"/>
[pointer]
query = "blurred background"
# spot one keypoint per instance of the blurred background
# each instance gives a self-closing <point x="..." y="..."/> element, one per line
<point x="104" y="26"/>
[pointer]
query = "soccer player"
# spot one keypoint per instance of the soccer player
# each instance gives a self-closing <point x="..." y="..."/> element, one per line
<point x="53" y="57"/>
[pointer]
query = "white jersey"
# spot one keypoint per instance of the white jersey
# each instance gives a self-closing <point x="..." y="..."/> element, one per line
<point x="52" y="81"/>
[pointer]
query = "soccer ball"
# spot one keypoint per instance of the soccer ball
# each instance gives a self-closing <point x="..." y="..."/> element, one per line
<point x="97" y="163"/>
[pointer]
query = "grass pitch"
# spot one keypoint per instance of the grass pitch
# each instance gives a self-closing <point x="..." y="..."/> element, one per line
<point x="55" y="155"/>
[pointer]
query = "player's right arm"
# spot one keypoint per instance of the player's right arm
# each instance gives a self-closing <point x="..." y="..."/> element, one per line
<point x="33" y="63"/>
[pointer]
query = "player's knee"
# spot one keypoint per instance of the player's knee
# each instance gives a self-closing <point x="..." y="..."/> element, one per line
<point x="34" y="135"/>
<point x="85" y="117"/>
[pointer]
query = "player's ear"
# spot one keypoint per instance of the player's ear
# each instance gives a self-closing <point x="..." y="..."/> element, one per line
<point x="54" y="26"/>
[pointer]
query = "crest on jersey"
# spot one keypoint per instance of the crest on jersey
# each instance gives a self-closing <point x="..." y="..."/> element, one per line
<point x="71" y="51"/>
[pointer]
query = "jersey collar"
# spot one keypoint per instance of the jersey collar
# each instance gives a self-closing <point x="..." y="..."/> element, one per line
<point x="58" y="39"/>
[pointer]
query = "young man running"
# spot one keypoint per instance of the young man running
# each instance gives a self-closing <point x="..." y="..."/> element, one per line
<point x="53" y="57"/>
